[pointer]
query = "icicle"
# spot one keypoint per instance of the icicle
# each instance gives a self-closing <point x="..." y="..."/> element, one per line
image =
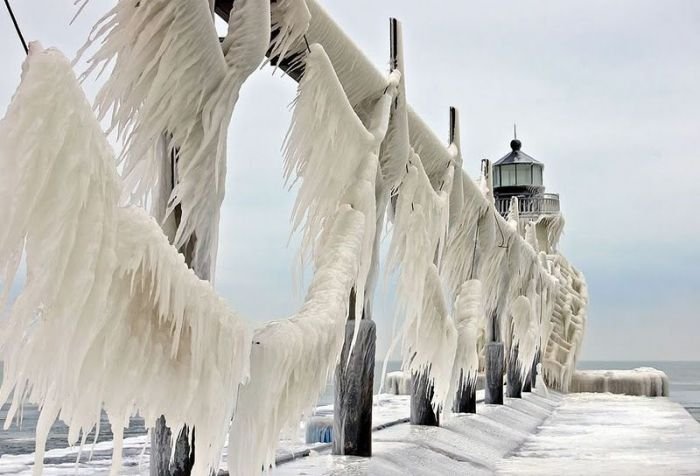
<point x="525" y="334"/>
<point x="430" y="342"/>
<point x="513" y="219"/>
<point x="290" y="22"/>
<point x="420" y="230"/>
<point x="324" y="147"/>
<point x="145" y="334"/>
<point x="292" y="359"/>
<point x="470" y="321"/>
<point x="171" y="77"/>
<point x="335" y="157"/>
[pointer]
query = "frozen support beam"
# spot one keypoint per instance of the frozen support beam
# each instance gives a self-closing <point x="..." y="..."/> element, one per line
<point x="422" y="391"/>
<point x="161" y="435"/>
<point x="527" y="383"/>
<point x="422" y="412"/>
<point x="354" y="385"/>
<point x="515" y="381"/>
<point x="465" y="400"/>
<point x="494" y="361"/>
<point x="354" y="376"/>
<point x="494" y="373"/>
<point x="531" y="379"/>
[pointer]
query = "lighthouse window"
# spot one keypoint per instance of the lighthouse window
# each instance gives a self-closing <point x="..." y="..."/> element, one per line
<point x="537" y="175"/>
<point x="496" y="177"/>
<point x="507" y="175"/>
<point x="524" y="174"/>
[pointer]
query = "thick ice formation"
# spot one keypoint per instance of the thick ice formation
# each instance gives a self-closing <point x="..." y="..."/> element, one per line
<point x="145" y="334"/>
<point x="421" y="222"/>
<point x="644" y="381"/>
<point x="470" y="321"/>
<point x="171" y="77"/>
<point x="290" y="20"/>
<point x="335" y="157"/>
<point x="292" y="359"/>
<point x="568" y="322"/>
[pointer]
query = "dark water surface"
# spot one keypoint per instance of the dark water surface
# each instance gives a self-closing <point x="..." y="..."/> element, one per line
<point x="19" y="439"/>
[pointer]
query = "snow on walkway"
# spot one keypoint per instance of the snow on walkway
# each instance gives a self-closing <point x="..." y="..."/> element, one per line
<point x="577" y="434"/>
<point x="606" y="434"/>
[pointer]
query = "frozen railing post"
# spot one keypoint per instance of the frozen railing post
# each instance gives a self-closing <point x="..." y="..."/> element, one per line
<point x="531" y="378"/>
<point x="515" y="380"/>
<point x="422" y="411"/>
<point x="465" y="398"/>
<point x="493" y="365"/>
<point x="354" y="375"/>
<point x="161" y="435"/>
<point x="494" y="354"/>
<point x="354" y="385"/>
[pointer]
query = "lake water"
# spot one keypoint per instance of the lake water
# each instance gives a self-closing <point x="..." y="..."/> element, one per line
<point x="684" y="377"/>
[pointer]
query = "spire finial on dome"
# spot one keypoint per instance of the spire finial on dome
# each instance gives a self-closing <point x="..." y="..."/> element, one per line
<point x="515" y="144"/>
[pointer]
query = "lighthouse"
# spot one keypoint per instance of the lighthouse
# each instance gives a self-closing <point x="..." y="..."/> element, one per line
<point x="517" y="174"/>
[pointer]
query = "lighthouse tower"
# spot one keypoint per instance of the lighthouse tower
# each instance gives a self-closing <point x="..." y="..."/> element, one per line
<point x="519" y="175"/>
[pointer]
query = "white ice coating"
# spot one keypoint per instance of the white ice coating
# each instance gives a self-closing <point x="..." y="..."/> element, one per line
<point x="421" y="220"/>
<point x="290" y="21"/>
<point x="526" y="334"/>
<point x="335" y="157"/>
<point x="568" y="322"/>
<point x="145" y="334"/>
<point x="292" y="359"/>
<point x="470" y="321"/>
<point x="107" y="294"/>
<point x="643" y="381"/>
<point x="171" y="77"/>
<point x="490" y="261"/>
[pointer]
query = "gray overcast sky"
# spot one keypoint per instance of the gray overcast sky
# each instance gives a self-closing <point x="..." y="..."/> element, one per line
<point x="605" y="93"/>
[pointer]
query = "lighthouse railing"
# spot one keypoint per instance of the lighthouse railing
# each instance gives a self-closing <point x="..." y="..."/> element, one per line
<point x="531" y="206"/>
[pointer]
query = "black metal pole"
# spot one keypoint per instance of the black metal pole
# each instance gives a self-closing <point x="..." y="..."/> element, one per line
<point x="17" y="28"/>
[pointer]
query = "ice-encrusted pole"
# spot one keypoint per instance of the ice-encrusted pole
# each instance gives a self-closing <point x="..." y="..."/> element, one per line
<point x="465" y="398"/>
<point x="354" y="384"/>
<point x="354" y="375"/>
<point x="494" y="359"/>
<point x="515" y="380"/>
<point x="494" y="350"/>
<point x="161" y="435"/>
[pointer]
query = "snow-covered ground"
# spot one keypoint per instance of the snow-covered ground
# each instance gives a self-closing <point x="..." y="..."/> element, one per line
<point x="611" y="434"/>
<point x="539" y="435"/>
<point x="387" y="409"/>
<point x="464" y="444"/>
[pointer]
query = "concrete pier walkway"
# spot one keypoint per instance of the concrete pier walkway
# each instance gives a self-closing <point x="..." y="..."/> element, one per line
<point x="465" y="444"/>
<point x="540" y="434"/>
<point x="603" y="434"/>
<point x="575" y="434"/>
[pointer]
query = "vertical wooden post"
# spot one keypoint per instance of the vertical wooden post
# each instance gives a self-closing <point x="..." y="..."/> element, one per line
<point x="354" y="385"/>
<point x="533" y="372"/>
<point x="527" y="383"/>
<point x="422" y="412"/>
<point x="531" y="378"/>
<point x="494" y="360"/>
<point x="465" y="399"/>
<point x="161" y="435"/>
<point x="494" y="373"/>
<point x="515" y="381"/>
<point x="421" y="391"/>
